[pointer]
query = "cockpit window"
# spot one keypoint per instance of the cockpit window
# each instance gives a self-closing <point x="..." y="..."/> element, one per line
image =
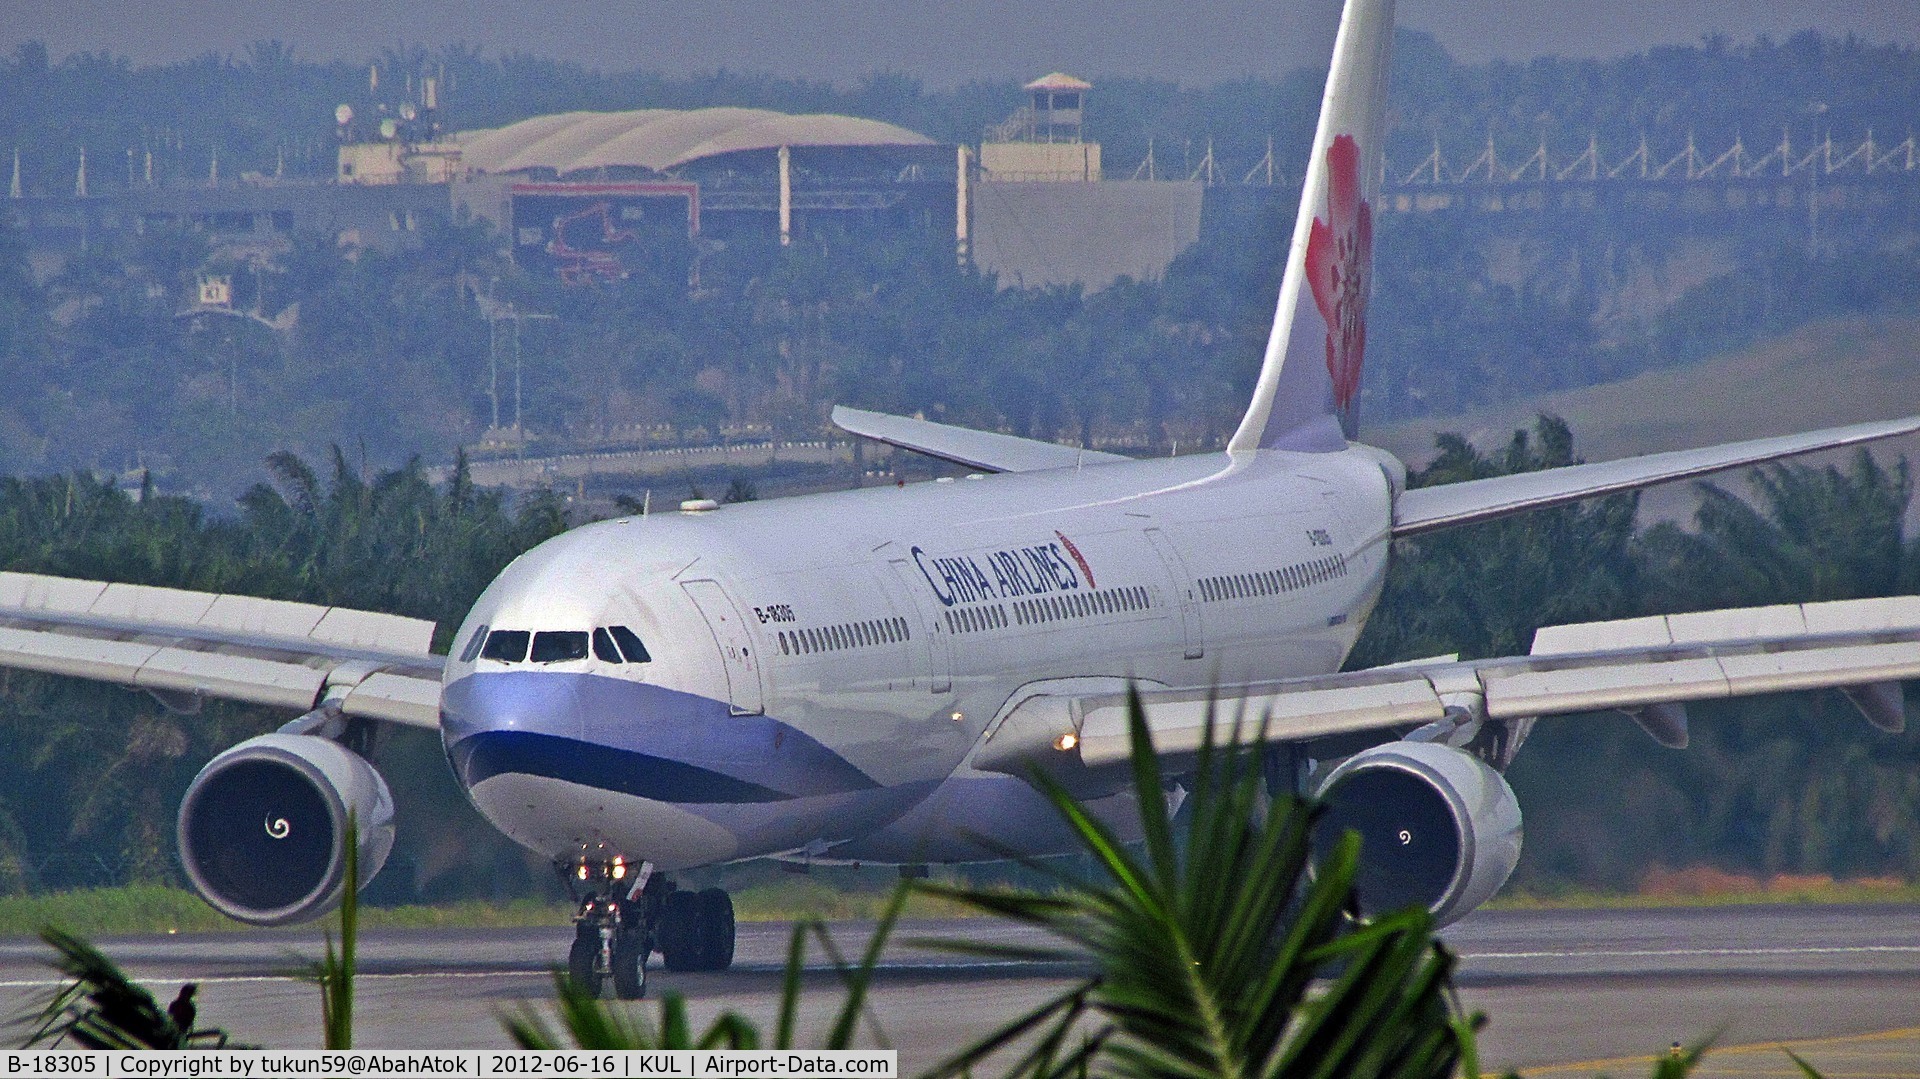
<point x="554" y="646"/>
<point x="630" y="645"/>
<point x="506" y="645"/>
<point x="603" y="649"/>
<point x="473" y="645"/>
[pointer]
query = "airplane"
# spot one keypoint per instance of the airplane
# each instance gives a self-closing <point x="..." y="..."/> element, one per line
<point x="875" y="676"/>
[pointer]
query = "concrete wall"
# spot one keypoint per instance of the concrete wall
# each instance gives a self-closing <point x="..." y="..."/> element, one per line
<point x="1036" y="234"/>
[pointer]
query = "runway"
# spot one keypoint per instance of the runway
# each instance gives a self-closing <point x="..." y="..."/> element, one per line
<point x="1563" y="989"/>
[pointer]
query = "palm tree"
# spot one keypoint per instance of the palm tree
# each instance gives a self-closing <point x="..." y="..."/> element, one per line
<point x="1223" y="949"/>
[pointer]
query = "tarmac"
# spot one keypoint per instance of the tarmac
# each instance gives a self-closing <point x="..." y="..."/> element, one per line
<point x="1568" y="993"/>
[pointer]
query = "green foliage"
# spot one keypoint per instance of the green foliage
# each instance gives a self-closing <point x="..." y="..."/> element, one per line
<point x="101" y="1008"/>
<point x="1778" y="785"/>
<point x="91" y="775"/>
<point x="1484" y="589"/>
<point x="1221" y="950"/>
<point x="1813" y="534"/>
<point x="333" y="972"/>
<point x="591" y="1023"/>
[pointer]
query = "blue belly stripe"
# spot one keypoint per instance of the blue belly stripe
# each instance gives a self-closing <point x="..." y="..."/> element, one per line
<point x="680" y="735"/>
<point x="491" y="753"/>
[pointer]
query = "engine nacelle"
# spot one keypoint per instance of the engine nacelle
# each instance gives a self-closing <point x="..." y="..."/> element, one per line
<point x="263" y="827"/>
<point x="1439" y="828"/>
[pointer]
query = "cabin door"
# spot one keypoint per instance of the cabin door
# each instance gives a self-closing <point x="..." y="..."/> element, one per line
<point x="1185" y="592"/>
<point x="736" y="645"/>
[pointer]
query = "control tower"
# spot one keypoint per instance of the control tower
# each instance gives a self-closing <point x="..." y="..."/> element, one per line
<point x="1045" y="139"/>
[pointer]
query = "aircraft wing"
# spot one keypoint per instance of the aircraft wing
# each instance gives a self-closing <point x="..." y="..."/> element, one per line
<point x="1426" y="508"/>
<point x="983" y="450"/>
<point x="185" y="646"/>
<point x="1865" y="647"/>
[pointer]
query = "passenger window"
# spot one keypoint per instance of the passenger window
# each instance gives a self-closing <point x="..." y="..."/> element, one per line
<point x="555" y="646"/>
<point x="473" y="645"/>
<point x="603" y="649"/>
<point x="630" y="645"/>
<point x="506" y="645"/>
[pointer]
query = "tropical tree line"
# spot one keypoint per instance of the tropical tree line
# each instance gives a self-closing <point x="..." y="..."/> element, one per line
<point x="90" y="775"/>
<point x="1796" y="784"/>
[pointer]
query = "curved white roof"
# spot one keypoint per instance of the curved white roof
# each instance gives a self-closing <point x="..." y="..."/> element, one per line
<point x="663" y="139"/>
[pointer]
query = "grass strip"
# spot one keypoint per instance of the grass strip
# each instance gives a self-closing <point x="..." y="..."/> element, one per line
<point x="1837" y="894"/>
<point x="144" y="909"/>
<point x="141" y="909"/>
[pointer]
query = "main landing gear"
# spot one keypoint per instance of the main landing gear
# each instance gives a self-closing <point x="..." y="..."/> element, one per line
<point x="627" y="912"/>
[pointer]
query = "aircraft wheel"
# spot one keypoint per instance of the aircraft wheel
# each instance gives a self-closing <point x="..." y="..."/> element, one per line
<point x="630" y="965"/>
<point x="583" y="963"/>
<point x="714" y="916"/>
<point x="680" y="932"/>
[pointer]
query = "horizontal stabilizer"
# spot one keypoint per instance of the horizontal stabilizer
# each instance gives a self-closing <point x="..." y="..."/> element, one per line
<point x="182" y="646"/>
<point x="982" y="450"/>
<point x="1424" y="509"/>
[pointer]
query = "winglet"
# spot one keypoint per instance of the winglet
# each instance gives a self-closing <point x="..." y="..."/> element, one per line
<point x="1306" y="396"/>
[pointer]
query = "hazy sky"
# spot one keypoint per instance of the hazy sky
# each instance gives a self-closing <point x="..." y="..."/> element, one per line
<point x="942" y="41"/>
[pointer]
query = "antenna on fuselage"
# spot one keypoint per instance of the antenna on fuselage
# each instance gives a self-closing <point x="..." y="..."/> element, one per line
<point x="646" y="502"/>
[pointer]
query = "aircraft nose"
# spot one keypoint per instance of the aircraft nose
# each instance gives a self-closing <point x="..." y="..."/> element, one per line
<point x="505" y="702"/>
<point x="517" y="745"/>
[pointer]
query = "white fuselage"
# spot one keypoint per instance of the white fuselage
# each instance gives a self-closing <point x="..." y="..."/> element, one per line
<point x="821" y="668"/>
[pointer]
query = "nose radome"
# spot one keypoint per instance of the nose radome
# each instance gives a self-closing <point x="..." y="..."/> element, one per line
<point x="527" y="701"/>
<point x="515" y="742"/>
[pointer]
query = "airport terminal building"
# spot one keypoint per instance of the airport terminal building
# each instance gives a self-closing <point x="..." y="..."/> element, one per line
<point x="581" y="194"/>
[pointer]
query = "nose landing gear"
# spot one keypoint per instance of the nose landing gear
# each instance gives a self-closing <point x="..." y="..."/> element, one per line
<point x="627" y="912"/>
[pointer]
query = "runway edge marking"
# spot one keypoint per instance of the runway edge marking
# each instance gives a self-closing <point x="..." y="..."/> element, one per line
<point x="1744" y="1049"/>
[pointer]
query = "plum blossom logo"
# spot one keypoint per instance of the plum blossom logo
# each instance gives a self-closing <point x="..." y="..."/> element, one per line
<point x="1340" y="268"/>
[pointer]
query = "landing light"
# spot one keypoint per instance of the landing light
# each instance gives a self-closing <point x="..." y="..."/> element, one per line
<point x="1066" y="741"/>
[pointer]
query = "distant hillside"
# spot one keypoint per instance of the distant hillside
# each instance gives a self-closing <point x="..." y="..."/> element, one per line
<point x="1828" y="373"/>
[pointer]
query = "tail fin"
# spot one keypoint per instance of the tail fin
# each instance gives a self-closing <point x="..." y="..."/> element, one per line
<point x="1305" y="398"/>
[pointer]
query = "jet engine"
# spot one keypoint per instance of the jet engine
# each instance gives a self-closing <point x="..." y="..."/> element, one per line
<point x="263" y="827"/>
<point x="1439" y="828"/>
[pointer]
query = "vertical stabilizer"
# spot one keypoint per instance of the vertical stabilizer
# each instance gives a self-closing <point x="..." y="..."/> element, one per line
<point x="1306" y="398"/>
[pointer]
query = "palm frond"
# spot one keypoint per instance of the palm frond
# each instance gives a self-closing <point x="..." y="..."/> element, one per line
<point x="334" y="972"/>
<point x="99" y="1007"/>
<point x="1219" y="947"/>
